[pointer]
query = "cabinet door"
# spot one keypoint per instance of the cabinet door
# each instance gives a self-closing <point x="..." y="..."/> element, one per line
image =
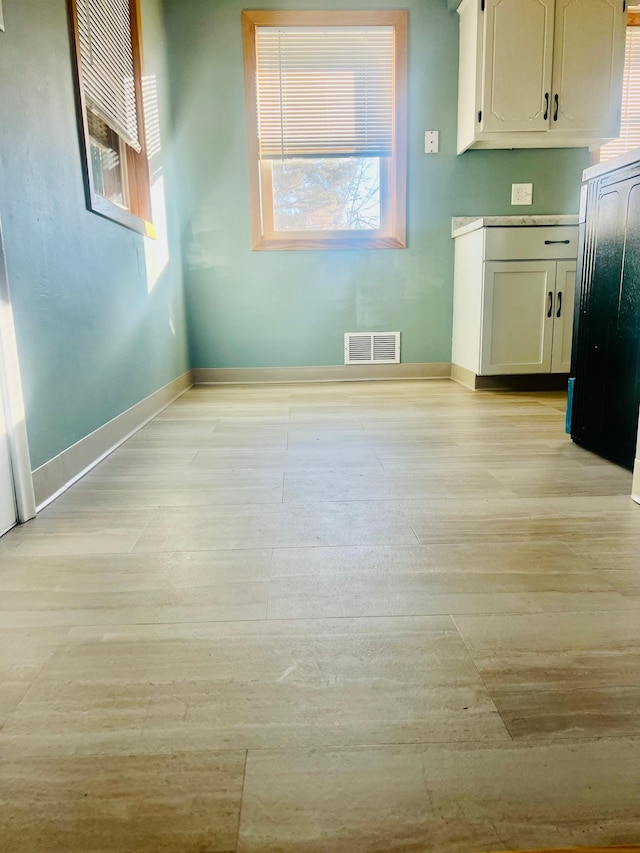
<point x="517" y="319"/>
<point x="517" y="64"/>
<point x="563" y="317"/>
<point x="588" y="62"/>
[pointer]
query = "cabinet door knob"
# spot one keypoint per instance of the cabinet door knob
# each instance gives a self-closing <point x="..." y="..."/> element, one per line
<point x="553" y="242"/>
<point x="550" y="310"/>
<point x="559" y="311"/>
<point x="555" y="111"/>
<point x="546" y="106"/>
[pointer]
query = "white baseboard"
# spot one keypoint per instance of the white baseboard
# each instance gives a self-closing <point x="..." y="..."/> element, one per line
<point x="56" y="475"/>
<point x="329" y="373"/>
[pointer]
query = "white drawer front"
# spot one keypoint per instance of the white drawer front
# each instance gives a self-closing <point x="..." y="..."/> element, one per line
<point x="531" y="243"/>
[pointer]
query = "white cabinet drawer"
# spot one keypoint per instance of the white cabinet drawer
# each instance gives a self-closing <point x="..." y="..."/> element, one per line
<point x="531" y="243"/>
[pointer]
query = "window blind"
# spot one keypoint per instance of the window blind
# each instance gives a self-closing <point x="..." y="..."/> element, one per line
<point x="630" y="122"/>
<point x="106" y="61"/>
<point x="325" y="91"/>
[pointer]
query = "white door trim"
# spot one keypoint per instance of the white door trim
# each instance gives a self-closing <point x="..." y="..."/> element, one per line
<point x="11" y="390"/>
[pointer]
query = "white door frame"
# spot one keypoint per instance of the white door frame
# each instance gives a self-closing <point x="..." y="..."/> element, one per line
<point x="13" y="402"/>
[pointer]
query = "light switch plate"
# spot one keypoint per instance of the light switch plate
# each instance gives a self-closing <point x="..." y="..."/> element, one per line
<point x="431" y="141"/>
<point x="521" y="194"/>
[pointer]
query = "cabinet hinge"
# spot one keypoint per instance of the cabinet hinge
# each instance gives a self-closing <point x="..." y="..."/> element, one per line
<point x="624" y="5"/>
<point x="480" y="116"/>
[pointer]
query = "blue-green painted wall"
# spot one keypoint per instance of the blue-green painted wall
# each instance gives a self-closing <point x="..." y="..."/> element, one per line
<point x="92" y="339"/>
<point x="251" y="309"/>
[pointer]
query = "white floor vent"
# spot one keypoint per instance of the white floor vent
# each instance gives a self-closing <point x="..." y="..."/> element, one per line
<point x="372" y="348"/>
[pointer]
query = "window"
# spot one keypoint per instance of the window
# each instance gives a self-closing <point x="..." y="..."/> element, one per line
<point x="630" y="120"/>
<point x="326" y="117"/>
<point x="108" y="62"/>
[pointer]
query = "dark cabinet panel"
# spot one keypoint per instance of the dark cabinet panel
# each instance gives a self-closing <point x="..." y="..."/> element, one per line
<point x="606" y="360"/>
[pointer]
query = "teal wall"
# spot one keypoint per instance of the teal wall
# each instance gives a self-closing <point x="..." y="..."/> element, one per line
<point x="92" y="339"/>
<point x="254" y="309"/>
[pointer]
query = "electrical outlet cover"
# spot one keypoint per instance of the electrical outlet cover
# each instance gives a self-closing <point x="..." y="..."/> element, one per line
<point x="431" y="141"/>
<point x="521" y="194"/>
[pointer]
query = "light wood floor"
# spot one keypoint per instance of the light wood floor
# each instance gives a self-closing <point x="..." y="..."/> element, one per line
<point x="360" y="617"/>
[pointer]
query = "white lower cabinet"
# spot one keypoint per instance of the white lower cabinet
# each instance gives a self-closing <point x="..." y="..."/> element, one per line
<point x="527" y="317"/>
<point x="513" y="312"/>
<point x="563" y="317"/>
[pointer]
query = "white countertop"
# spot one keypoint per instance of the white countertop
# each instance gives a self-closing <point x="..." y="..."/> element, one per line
<point x="464" y="224"/>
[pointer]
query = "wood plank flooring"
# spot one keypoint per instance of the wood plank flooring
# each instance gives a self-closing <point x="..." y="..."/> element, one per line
<point x="335" y="618"/>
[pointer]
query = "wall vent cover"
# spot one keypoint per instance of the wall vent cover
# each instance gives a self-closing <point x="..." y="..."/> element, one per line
<point x="372" y="348"/>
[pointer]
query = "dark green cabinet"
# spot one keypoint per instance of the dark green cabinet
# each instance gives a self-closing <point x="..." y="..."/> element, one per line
<point x="606" y="355"/>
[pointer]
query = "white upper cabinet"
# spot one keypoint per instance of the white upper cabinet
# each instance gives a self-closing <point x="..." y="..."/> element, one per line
<point x="517" y="70"/>
<point x="588" y="64"/>
<point x="539" y="73"/>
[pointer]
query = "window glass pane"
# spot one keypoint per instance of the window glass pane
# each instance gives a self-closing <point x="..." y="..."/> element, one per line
<point x="107" y="163"/>
<point x="326" y="194"/>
